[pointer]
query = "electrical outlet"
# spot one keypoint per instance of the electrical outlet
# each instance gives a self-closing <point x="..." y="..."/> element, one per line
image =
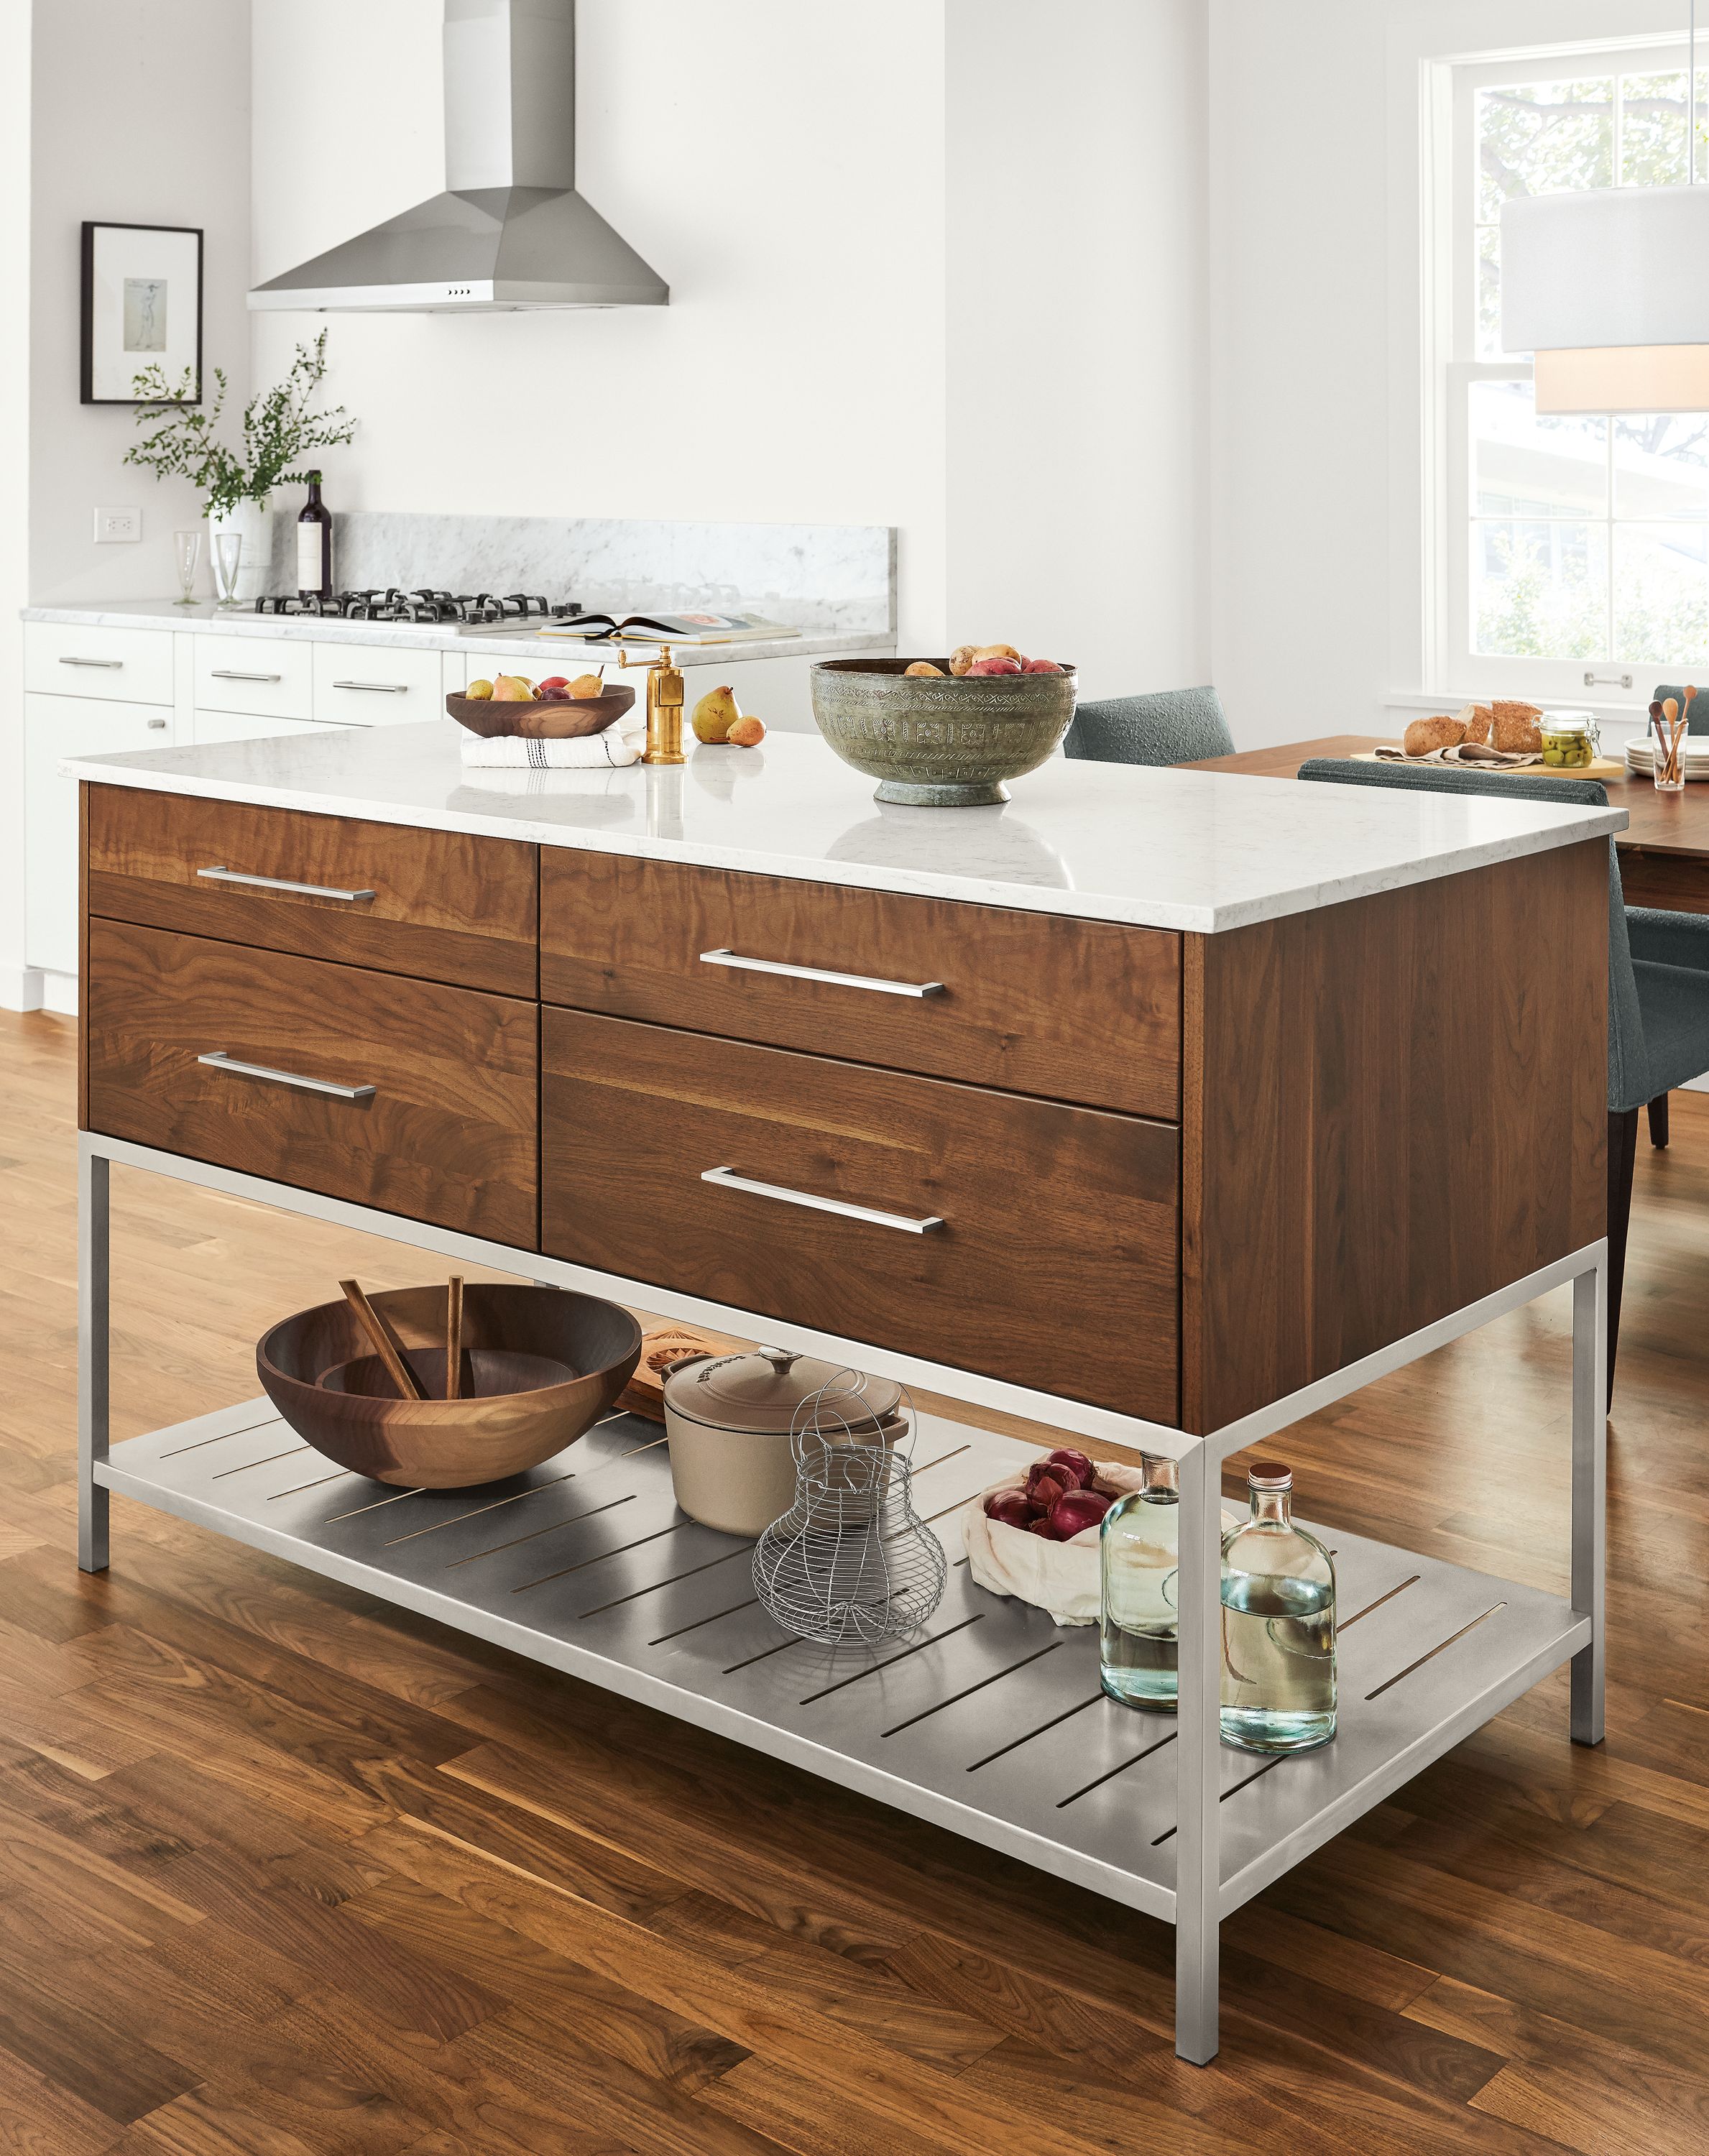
<point x="112" y="524"/>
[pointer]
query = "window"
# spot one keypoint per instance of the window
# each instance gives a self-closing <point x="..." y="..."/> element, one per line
<point x="1574" y="551"/>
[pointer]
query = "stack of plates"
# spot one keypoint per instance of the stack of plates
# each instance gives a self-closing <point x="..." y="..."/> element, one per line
<point x="1641" y="749"/>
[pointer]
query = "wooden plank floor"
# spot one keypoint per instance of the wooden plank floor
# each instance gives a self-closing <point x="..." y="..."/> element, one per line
<point x="286" y="1871"/>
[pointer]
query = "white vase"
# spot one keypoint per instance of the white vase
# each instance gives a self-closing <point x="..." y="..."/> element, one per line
<point x="253" y="520"/>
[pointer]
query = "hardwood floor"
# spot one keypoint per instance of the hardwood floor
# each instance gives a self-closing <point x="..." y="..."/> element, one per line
<point x="284" y="1872"/>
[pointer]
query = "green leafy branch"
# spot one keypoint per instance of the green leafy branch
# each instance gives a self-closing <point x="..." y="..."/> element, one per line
<point x="281" y="429"/>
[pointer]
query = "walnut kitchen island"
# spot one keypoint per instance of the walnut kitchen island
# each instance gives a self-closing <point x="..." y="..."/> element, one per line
<point x="1162" y="1107"/>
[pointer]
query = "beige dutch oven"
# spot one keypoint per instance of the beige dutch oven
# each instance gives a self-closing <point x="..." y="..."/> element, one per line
<point x="728" y="1419"/>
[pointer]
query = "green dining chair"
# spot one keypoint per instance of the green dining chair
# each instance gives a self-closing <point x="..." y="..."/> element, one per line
<point x="1658" y="983"/>
<point x="1173" y="726"/>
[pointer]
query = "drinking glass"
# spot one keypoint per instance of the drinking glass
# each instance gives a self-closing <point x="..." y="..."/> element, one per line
<point x="228" y="552"/>
<point x="187" y="552"/>
<point x="1667" y="755"/>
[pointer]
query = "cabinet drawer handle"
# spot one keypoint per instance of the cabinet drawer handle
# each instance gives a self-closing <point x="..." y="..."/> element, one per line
<point x="378" y="688"/>
<point x="154" y="723"/>
<point x="219" y="1061"/>
<point x="283" y="883"/>
<point x="112" y="664"/>
<point x="818" y="974"/>
<point x="231" y="673"/>
<point x="727" y="1178"/>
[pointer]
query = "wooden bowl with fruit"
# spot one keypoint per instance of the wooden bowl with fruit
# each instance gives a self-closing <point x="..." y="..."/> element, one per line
<point x="555" y="709"/>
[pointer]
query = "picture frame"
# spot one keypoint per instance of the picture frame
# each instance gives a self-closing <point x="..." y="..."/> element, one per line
<point x="141" y="291"/>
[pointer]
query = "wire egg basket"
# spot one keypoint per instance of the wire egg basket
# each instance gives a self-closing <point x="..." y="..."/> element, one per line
<point x="851" y="1559"/>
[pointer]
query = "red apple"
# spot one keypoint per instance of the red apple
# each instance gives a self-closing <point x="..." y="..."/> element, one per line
<point x="555" y="681"/>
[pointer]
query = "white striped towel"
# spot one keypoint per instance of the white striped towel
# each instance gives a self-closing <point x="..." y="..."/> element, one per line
<point x="588" y="753"/>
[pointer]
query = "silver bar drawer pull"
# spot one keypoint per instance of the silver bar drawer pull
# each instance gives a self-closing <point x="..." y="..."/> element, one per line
<point x="727" y="1179"/>
<point x="379" y="688"/>
<point x="219" y="1061"/>
<point x="283" y="883"/>
<point x="112" y="665"/>
<point x="231" y="673"/>
<point x="818" y="974"/>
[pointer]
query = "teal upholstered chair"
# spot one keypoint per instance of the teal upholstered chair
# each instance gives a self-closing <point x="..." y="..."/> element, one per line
<point x="1658" y="999"/>
<point x="1174" y="726"/>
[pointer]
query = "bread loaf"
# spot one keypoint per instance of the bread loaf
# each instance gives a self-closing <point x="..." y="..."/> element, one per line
<point x="1423" y="735"/>
<point x="1479" y="718"/>
<point x="1515" y="728"/>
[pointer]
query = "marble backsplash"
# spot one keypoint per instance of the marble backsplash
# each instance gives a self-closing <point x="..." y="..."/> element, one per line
<point x="829" y="578"/>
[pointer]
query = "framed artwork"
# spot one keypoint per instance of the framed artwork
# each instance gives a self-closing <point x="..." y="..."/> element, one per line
<point x="142" y="308"/>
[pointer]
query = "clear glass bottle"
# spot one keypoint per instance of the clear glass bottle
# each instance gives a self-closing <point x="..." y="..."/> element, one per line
<point x="1139" y="1545"/>
<point x="1278" y="1625"/>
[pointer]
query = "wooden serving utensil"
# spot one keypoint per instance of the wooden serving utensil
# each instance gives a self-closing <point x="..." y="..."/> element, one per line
<point x="387" y="1345"/>
<point x="453" y="1337"/>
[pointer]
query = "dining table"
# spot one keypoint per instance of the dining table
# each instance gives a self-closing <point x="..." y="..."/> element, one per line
<point x="1664" y="851"/>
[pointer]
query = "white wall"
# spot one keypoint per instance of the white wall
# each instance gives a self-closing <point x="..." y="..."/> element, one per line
<point x="14" y="523"/>
<point x="780" y="166"/>
<point x="141" y="117"/>
<point x="1076" y="173"/>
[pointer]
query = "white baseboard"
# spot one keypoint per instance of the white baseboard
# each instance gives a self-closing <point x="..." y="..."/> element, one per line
<point x="21" y="988"/>
<point x="1697" y="1084"/>
<point x="59" y="993"/>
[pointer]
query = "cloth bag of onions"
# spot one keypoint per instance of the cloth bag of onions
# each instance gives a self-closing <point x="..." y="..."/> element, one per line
<point x="1052" y="1560"/>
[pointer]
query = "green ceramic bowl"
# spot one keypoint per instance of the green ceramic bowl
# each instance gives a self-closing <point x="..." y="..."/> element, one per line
<point x="940" y="744"/>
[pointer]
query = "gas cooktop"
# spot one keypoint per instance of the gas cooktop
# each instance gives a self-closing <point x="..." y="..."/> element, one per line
<point x="479" y="613"/>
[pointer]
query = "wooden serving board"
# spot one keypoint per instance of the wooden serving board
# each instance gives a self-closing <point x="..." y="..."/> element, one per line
<point x="1604" y="766"/>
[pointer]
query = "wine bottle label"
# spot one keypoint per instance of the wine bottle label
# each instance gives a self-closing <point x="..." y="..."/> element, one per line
<point x="308" y="563"/>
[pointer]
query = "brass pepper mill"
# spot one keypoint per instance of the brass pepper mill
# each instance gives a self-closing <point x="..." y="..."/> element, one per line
<point x="663" y="706"/>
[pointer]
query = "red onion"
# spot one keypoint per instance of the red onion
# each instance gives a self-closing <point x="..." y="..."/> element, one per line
<point x="1076" y="1511"/>
<point x="1045" y="1484"/>
<point x="1041" y="1526"/>
<point x="1010" y="1507"/>
<point x="1078" y="1469"/>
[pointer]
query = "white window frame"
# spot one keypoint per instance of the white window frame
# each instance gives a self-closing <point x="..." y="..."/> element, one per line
<point x="1449" y="296"/>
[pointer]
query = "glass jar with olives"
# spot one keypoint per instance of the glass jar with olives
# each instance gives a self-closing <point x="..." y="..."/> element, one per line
<point x="1570" y="740"/>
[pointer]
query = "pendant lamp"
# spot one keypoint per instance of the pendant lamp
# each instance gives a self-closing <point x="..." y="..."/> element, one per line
<point x="1608" y="289"/>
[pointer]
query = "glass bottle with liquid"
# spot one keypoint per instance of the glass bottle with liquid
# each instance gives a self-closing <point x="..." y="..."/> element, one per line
<point x="1139" y="1546"/>
<point x="1278" y="1625"/>
<point x="314" y="545"/>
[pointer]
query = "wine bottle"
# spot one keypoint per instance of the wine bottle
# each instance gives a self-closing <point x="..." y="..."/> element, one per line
<point x="314" y="545"/>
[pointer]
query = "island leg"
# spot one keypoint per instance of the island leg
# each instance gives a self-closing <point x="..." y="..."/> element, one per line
<point x="1197" y="1777"/>
<point x="1589" y="1490"/>
<point x="93" y="1498"/>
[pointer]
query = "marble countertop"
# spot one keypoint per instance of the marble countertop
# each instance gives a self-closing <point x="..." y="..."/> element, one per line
<point x="205" y="618"/>
<point x="1170" y="849"/>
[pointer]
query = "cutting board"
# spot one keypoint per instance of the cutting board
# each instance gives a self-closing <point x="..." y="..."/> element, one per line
<point x="1604" y="766"/>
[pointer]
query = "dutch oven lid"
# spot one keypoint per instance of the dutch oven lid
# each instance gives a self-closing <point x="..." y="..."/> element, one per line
<point x="762" y="1390"/>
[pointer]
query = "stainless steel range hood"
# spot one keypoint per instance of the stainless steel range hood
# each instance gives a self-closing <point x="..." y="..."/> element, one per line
<point x="511" y="230"/>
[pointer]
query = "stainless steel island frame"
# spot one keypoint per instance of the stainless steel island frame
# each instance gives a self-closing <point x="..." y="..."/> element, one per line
<point x="611" y="1584"/>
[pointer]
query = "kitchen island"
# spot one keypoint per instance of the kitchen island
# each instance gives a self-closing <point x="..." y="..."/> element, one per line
<point x="1161" y="1106"/>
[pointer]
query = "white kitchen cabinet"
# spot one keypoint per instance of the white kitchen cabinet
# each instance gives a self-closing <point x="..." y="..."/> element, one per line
<point x="119" y="666"/>
<point x="243" y="726"/>
<point x="56" y="726"/>
<point x="269" y="677"/>
<point x="377" y="685"/>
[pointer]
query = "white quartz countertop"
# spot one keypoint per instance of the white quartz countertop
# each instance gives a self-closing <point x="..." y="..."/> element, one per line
<point x="204" y="618"/>
<point x="1172" y="849"/>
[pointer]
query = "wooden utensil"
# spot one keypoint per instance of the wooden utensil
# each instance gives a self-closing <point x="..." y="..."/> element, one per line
<point x="453" y="1337"/>
<point x="387" y="1345"/>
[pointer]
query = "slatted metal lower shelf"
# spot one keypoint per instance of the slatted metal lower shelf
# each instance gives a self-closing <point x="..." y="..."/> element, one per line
<point x="991" y="1723"/>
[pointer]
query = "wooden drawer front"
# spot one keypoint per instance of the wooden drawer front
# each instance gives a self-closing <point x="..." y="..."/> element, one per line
<point x="126" y="665"/>
<point x="270" y="677"/>
<point x="375" y="686"/>
<point x="1056" y="1265"/>
<point x="448" y="1134"/>
<point x="1035" y="1003"/>
<point x="444" y="905"/>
